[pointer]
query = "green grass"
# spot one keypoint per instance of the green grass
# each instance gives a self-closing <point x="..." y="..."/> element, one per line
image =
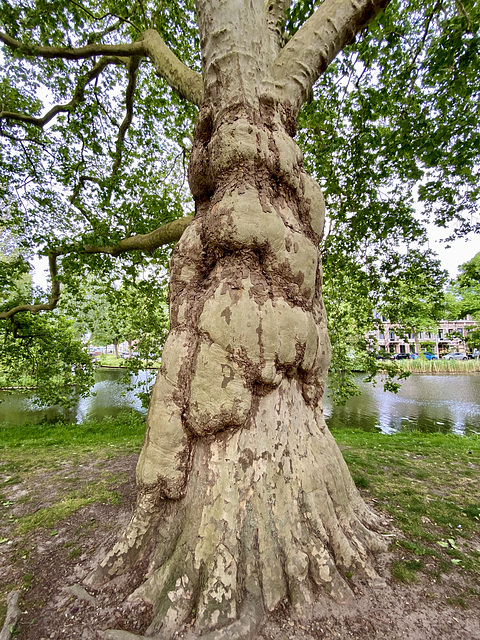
<point x="428" y="484"/>
<point x="59" y="439"/>
<point x="421" y="365"/>
<point x="49" y="516"/>
<point x="405" y="571"/>
<point x="109" y="360"/>
<point x="35" y="454"/>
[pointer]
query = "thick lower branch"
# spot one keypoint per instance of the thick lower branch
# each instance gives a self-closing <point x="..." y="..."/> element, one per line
<point x="166" y="234"/>
<point x="183" y="80"/>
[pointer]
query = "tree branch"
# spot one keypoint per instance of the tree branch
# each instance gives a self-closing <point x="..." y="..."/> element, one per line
<point x="89" y="51"/>
<point x="275" y="10"/>
<point x="184" y="81"/>
<point x="81" y="182"/>
<point x="13" y="138"/>
<point x="132" y="83"/>
<point x="48" y="306"/>
<point x="148" y="242"/>
<point x="105" y="15"/>
<point x="333" y="25"/>
<point x="166" y="234"/>
<point x="78" y="96"/>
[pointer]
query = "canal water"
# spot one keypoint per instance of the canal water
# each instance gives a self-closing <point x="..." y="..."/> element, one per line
<point x="110" y="395"/>
<point x="446" y="403"/>
<point x="428" y="403"/>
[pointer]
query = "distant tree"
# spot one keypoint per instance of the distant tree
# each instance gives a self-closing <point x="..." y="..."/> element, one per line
<point x="41" y="352"/>
<point x="45" y="354"/>
<point x="136" y="312"/>
<point x="467" y="288"/>
<point x="353" y="297"/>
<point x="415" y="297"/>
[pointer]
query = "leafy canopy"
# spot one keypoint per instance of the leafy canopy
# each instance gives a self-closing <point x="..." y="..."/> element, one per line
<point x="94" y="150"/>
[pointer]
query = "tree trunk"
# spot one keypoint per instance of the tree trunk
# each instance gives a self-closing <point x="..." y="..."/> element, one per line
<point x="418" y="347"/>
<point x="243" y="495"/>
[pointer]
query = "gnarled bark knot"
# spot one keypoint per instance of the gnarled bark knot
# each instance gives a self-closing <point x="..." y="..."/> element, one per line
<point x="244" y="496"/>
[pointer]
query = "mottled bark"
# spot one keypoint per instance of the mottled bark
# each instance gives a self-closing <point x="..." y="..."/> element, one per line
<point x="243" y="496"/>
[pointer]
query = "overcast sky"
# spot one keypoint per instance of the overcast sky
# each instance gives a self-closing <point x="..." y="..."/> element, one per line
<point x="460" y="251"/>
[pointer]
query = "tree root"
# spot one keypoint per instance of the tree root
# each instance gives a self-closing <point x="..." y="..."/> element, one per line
<point x="245" y="628"/>
<point x="270" y="514"/>
<point x="13" y="613"/>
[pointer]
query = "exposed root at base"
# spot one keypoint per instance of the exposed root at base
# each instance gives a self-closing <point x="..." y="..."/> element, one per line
<point x="270" y="514"/>
<point x="245" y="628"/>
<point x="13" y="613"/>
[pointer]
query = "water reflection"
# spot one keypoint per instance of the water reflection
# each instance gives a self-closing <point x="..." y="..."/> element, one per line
<point x="110" y="395"/>
<point x="424" y="403"/>
<point x="113" y="395"/>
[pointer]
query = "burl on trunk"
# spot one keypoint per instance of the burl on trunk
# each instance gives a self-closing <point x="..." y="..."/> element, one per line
<point x="243" y="495"/>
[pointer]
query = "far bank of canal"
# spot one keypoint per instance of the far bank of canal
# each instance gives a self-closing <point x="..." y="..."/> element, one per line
<point x="446" y="403"/>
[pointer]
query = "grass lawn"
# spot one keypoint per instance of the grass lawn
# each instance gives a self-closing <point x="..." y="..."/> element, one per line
<point x="427" y="483"/>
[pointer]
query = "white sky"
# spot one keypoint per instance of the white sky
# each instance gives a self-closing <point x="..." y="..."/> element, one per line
<point x="458" y="253"/>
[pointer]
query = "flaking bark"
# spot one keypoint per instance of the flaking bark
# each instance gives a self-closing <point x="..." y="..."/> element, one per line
<point x="244" y="499"/>
<point x="242" y="492"/>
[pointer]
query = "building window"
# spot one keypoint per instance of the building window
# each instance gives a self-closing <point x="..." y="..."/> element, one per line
<point x="440" y="334"/>
<point x="392" y="335"/>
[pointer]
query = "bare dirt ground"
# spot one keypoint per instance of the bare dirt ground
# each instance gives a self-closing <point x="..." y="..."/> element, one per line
<point x="51" y="565"/>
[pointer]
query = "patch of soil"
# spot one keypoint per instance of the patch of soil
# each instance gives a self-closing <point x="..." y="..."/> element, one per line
<point x="55" y="606"/>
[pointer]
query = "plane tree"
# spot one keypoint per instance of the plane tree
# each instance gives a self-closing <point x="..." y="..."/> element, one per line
<point x="243" y="496"/>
